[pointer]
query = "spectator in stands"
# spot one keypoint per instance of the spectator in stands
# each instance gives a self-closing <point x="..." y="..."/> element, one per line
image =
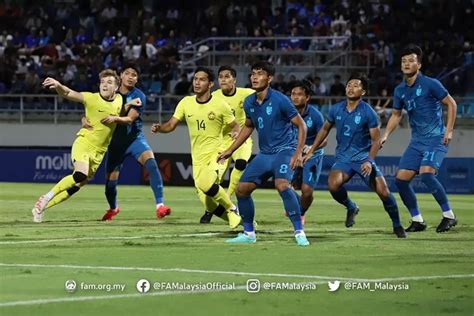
<point x="183" y="86"/>
<point x="319" y="88"/>
<point x="337" y="88"/>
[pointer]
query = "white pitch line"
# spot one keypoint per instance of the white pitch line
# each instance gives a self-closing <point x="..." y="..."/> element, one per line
<point x="252" y="274"/>
<point x="37" y="241"/>
<point x="108" y="297"/>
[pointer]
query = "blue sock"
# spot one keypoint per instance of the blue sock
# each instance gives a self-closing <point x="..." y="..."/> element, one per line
<point x="408" y="196"/>
<point x="391" y="208"/>
<point x="111" y="193"/>
<point x="437" y="190"/>
<point x="292" y="207"/>
<point x="156" y="182"/>
<point x="298" y="198"/>
<point x="342" y="198"/>
<point x="247" y="211"/>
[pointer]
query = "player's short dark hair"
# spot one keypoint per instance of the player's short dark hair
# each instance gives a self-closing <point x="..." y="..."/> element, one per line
<point x="303" y="84"/>
<point x="413" y="49"/>
<point x="131" y="65"/>
<point x="208" y="71"/>
<point x="359" y="76"/>
<point x="233" y="72"/>
<point x="264" y="65"/>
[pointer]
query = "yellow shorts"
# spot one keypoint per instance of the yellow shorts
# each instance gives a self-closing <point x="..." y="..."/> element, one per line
<point x="84" y="152"/>
<point x="206" y="174"/>
<point x="243" y="152"/>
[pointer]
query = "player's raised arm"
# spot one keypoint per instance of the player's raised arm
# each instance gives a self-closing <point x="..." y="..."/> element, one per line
<point x="297" y="159"/>
<point x="62" y="90"/>
<point x="167" y="127"/>
<point x="451" y="117"/>
<point x="244" y="134"/>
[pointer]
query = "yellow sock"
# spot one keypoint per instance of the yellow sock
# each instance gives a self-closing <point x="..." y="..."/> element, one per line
<point x="61" y="197"/>
<point x="234" y="181"/>
<point x="66" y="183"/>
<point x="223" y="199"/>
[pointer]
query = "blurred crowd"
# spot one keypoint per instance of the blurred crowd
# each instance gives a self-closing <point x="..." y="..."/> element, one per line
<point x="73" y="40"/>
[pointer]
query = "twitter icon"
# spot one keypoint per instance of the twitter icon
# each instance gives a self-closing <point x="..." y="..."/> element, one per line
<point x="333" y="286"/>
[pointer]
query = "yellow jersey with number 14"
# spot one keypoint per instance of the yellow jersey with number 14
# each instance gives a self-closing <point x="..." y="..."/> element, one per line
<point x="97" y="108"/>
<point x="205" y="122"/>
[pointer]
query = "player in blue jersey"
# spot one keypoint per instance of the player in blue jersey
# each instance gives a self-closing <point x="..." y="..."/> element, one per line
<point x="357" y="138"/>
<point x="307" y="177"/>
<point x="273" y="115"/>
<point x="422" y="97"/>
<point x="129" y="140"/>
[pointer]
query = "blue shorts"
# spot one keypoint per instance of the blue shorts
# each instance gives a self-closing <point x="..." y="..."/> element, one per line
<point x="310" y="172"/>
<point x="264" y="166"/>
<point x="117" y="154"/>
<point x="417" y="155"/>
<point x="352" y="168"/>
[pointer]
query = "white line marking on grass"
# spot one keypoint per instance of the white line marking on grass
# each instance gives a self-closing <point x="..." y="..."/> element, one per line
<point x="108" y="297"/>
<point x="253" y="274"/>
<point x="37" y="241"/>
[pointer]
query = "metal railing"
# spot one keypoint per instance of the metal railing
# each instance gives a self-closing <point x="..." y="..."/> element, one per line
<point x="54" y="109"/>
<point x="319" y="53"/>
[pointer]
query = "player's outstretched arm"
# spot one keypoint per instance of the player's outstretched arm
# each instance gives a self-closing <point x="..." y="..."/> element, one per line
<point x="62" y="90"/>
<point x="392" y="124"/>
<point x="167" y="127"/>
<point x="451" y="117"/>
<point x="244" y="134"/>
<point x="320" y="138"/>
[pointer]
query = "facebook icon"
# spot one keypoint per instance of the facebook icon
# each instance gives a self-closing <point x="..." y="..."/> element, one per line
<point x="143" y="286"/>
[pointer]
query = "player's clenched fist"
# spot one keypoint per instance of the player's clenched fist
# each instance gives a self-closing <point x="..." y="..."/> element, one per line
<point x="155" y="128"/>
<point x="50" y="83"/>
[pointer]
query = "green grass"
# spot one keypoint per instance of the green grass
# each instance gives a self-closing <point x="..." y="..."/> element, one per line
<point x="367" y="251"/>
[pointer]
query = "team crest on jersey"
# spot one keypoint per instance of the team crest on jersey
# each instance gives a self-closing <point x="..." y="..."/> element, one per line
<point x="309" y="123"/>
<point x="269" y="110"/>
<point x="418" y="91"/>
<point x="338" y="117"/>
<point x="211" y="116"/>
<point x="357" y="119"/>
<point x="252" y="110"/>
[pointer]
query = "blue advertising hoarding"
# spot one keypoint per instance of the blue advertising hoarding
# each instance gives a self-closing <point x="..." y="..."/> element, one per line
<point x="50" y="165"/>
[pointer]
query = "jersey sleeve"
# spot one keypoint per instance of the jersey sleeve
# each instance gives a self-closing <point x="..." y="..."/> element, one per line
<point x="88" y="97"/>
<point x="287" y="108"/>
<point x="397" y="101"/>
<point x="373" y="119"/>
<point x="247" y="107"/>
<point x="227" y="115"/>
<point x="437" y="89"/>
<point x="318" y="120"/>
<point x="140" y="109"/>
<point x="332" y="115"/>
<point x="179" y="111"/>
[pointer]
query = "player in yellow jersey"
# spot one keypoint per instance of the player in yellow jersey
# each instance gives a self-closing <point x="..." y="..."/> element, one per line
<point x="235" y="96"/>
<point x="102" y="111"/>
<point x="206" y="115"/>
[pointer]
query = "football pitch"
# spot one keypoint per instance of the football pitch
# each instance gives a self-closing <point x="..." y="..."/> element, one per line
<point x="199" y="274"/>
